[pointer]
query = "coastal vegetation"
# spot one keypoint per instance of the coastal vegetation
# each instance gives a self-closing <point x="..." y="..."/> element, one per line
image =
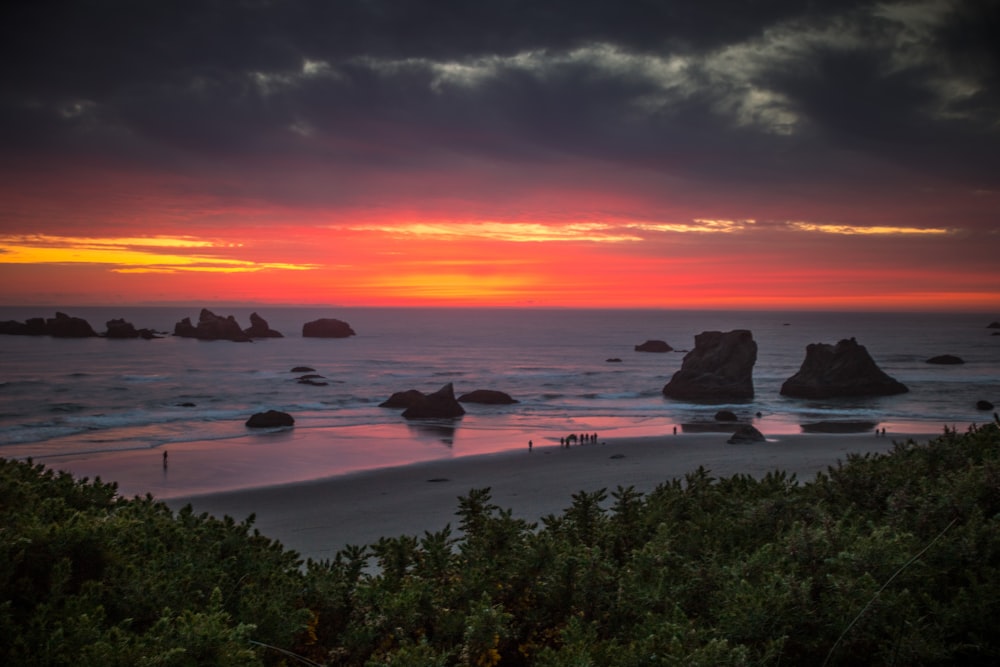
<point x="883" y="560"/>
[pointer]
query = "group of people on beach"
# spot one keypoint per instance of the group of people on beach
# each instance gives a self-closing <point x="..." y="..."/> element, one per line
<point x="573" y="438"/>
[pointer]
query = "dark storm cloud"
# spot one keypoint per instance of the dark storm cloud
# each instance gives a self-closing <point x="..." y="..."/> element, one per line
<point x="730" y="90"/>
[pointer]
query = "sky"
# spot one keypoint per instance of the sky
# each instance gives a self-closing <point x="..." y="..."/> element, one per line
<point x="728" y="154"/>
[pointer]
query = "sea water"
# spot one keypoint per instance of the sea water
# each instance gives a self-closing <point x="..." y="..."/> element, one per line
<point x="66" y="397"/>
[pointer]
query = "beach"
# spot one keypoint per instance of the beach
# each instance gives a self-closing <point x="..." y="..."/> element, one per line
<point x="318" y="518"/>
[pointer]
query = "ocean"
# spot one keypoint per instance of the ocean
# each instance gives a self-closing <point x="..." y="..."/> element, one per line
<point x="70" y="399"/>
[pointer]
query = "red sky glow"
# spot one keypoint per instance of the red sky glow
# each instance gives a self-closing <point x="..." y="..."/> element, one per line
<point x="789" y="161"/>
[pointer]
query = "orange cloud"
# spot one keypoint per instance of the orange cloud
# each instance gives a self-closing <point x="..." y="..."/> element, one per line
<point x="874" y="230"/>
<point x="130" y="254"/>
<point x="411" y="258"/>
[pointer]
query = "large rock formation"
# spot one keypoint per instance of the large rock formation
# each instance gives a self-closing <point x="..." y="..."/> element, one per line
<point x="719" y="368"/>
<point x="211" y="327"/>
<point x="259" y="328"/>
<point x="654" y="346"/>
<point x="439" y="405"/>
<point x="327" y="328"/>
<point x="844" y="369"/>
<point x="487" y="397"/>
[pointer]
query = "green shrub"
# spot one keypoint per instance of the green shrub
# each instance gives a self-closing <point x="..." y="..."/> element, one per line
<point x="884" y="559"/>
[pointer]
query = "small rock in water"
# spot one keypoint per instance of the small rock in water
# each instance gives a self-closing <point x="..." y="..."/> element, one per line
<point x="946" y="359"/>
<point x="270" y="419"/>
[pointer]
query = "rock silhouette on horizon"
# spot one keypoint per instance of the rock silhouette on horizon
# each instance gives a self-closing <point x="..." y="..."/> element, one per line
<point x="60" y="326"/>
<point x="64" y="326"/>
<point x="119" y="328"/>
<point x="654" y="346"/>
<point x="842" y="370"/>
<point x="327" y="328"/>
<point x="259" y="328"/>
<point x="211" y="327"/>
<point x="719" y="368"/>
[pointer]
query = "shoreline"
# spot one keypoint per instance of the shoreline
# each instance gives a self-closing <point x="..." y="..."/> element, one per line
<point x="246" y="459"/>
<point x="319" y="517"/>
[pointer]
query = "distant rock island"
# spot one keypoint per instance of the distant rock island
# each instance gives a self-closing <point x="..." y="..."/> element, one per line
<point x="119" y="328"/>
<point x="259" y="328"/>
<point x="946" y="359"/>
<point x="60" y="326"/>
<point x="64" y="326"/>
<point x="215" y="327"/>
<point x="327" y="328"/>
<point x="719" y="368"/>
<point x="841" y="370"/>
<point x="211" y="327"/>
<point x="654" y="346"/>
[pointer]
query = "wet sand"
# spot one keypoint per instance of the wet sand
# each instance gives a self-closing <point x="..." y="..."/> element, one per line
<point x="318" y="518"/>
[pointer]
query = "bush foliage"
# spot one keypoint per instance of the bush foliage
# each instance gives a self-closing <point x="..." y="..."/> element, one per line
<point x="883" y="560"/>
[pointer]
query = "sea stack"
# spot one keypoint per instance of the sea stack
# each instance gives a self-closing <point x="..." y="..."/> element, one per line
<point x="719" y="368"/>
<point x="844" y="369"/>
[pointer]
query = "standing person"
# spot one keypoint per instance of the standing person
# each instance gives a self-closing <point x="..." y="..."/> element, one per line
<point x="530" y="445"/>
<point x="164" y="459"/>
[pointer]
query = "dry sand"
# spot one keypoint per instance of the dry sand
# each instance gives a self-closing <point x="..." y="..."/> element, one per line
<point x="319" y="518"/>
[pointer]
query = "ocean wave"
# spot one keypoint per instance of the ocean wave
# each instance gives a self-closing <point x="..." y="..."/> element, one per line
<point x="67" y="407"/>
<point x="144" y="378"/>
